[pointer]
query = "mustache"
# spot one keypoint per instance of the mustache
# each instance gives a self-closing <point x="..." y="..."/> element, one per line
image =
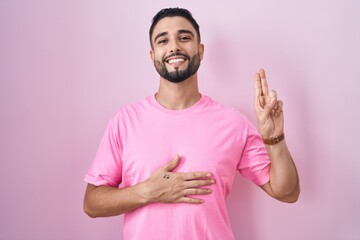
<point x="187" y="57"/>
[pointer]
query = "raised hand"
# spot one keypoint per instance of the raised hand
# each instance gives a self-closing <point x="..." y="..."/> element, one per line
<point x="166" y="186"/>
<point x="269" y="110"/>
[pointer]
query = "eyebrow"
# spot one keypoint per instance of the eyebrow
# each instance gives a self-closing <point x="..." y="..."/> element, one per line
<point x="160" y="35"/>
<point x="180" y="31"/>
<point x="186" y="31"/>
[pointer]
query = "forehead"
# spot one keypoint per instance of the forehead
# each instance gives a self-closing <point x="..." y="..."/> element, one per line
<point x="172" y="25"/>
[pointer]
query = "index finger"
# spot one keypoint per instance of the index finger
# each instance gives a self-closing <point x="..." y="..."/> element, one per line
<point x="196" y="175"/>
<point x="264" y="85"/>
<point x="258" y="90"/>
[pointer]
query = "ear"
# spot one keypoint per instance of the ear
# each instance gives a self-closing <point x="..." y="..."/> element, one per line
<point x="201" y="51"/>
<point x="152" y="55"/>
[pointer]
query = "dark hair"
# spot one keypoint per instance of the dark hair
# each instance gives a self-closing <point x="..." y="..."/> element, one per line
<point x="174" y="12"/>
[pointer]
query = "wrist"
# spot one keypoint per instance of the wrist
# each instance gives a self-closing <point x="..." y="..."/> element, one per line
<point x="144" y="194"/>
<point x="274" y="140"/>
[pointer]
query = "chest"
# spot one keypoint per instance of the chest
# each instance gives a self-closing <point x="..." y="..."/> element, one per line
<point x="203" y="145"/>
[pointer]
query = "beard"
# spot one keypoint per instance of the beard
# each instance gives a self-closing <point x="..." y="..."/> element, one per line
<point x="177" y="75"/>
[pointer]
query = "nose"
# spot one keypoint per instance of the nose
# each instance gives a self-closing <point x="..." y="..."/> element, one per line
<point x="175" y="47"/>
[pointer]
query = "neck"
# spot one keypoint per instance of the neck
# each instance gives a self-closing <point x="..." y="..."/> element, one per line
<point x="178" y="96"/>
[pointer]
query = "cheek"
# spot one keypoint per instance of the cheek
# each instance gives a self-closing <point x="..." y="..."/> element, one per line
<point x="158" y="54"/>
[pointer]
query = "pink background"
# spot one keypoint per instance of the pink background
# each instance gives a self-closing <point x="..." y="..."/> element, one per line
<point x="67" y="66"/>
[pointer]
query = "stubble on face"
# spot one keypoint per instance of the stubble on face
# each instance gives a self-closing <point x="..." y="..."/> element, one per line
<point x="177" y="75"/>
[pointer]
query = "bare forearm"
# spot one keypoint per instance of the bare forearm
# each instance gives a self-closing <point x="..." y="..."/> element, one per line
<point x="163" y="186"/>
<point x="284" y="181"/>
<point x="106" y="201"/>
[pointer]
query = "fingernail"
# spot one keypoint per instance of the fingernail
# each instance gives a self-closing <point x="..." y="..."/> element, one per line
<point x="208" y="174"/>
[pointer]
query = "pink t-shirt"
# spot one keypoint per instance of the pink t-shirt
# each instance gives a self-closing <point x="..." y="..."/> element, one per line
<point x="208" y="136"/>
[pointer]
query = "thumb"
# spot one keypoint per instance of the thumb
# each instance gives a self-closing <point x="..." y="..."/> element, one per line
<point x="271" y="103"/>
<point x="172" y="164"/>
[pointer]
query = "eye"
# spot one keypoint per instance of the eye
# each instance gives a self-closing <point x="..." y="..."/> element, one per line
<point x="185" y="38"/>
<point x="162" y="41"/>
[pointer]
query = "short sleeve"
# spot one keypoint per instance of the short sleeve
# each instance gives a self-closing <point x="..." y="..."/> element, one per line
<point x="106" y="168"/>
<point x="255" y="162"/>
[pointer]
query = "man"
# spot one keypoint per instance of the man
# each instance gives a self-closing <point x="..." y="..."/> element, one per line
<point x="176" y="152"/>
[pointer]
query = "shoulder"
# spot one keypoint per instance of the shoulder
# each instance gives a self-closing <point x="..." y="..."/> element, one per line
<point x="230" y="118"/>
<point x="227" y="112"/>
<point x="132" y="108"/>
<point x="129" y="112"/>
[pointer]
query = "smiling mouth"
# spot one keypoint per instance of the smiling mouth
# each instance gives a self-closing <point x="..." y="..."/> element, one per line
<point x="175" y="60"/>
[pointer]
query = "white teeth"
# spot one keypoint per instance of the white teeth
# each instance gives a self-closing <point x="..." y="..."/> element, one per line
<point x="175" y="60"/>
